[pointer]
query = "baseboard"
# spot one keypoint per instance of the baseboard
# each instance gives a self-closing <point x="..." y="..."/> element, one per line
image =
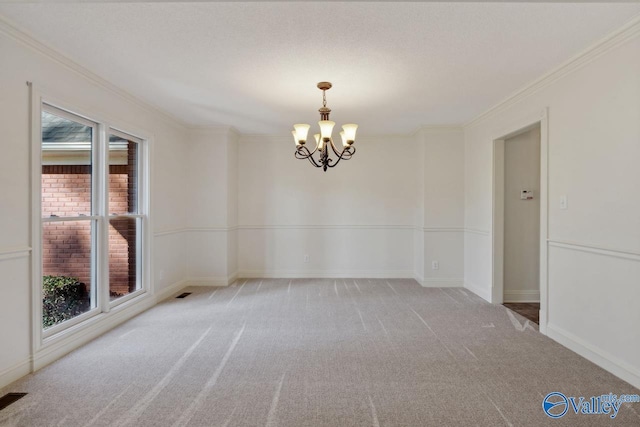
<point x="323" y="274"/>
<point x="485" y="294"/>
<point x="520" y="295"/>
<point x="170" y="290"/>
<point x="15" y="372"/>
<point x="601" y="358"/>
<point x="211" y="281"/>
<point x="441" y="282"/>
<point x="78" y="335"/>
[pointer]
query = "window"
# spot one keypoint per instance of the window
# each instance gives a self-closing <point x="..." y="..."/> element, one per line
<point x="93" y="218"/>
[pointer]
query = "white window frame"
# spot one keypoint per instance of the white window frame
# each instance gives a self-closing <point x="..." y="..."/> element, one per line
<point x="61" y="336"/>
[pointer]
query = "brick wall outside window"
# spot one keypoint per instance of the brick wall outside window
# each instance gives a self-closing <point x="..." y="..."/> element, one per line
<point x="66" y="191"/>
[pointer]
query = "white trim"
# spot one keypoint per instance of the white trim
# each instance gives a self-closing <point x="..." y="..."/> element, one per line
<point x="210" y="229"/>
<point x="521" y="295"/>
<point x="7" y="254"/>
<point x="497" y="193"/>
<point x="170" y="290"/>
<point x="305" y="227"/>
<point x="69" y="218"/>
<point x="598" y="250"/>
<point x="15" y="372"/>
<point x="35" y="137"/>
<point x="211" y="281"/>
<point x="600" y="357"/>
<point x="57" y="341"/>
<point x="478" y="231"/>
<point x="21" y="35"/>
<point x="169" y="232"/>
<point x="485" y="294"/>
<point x="442" y="282"/>
<point x="326" y="274"/>
<point x="72" y="338"/>
<point x="324" y="227"/>
<point x="602" y="46"/>
<point x="443" y="229"/>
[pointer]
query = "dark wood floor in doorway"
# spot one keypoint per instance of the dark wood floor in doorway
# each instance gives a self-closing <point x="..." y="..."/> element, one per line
<point x="528" y="310"/>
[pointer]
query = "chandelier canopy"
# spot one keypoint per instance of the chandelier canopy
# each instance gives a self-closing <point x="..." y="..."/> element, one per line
<point x="324" y="139"/>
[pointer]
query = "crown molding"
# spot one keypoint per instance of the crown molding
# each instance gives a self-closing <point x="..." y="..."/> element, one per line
<point x="22" y="36"/>
<point x="628" y="31"/>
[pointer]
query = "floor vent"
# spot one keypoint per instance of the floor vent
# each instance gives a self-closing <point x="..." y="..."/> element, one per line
<point x="9" y="398"/>
<point x="184" y="295"/>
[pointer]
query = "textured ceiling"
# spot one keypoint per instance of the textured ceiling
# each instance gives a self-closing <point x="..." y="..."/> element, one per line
<point x="254" y="65"/>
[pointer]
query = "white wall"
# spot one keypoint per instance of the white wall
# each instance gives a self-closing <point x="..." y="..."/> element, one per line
<point x="63" y="80"/>
<point x="212" y="206"/>
<point x="355" y="220"/>
<point x="443" y="201"/>
<point x="522" y="217"/>
<point x="594" y="246"/>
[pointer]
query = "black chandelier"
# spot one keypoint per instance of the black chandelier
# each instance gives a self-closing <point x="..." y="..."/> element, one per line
<point x="324" y="139"/>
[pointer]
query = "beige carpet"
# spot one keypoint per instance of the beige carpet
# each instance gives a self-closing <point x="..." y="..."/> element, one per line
<point x="312" y="352"/>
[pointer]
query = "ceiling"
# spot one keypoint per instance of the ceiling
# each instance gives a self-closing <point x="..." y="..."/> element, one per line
<point x="254" y="65"/>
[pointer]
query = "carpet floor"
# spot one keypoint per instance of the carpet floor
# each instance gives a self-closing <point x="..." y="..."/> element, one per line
<point x="317" y="352"/>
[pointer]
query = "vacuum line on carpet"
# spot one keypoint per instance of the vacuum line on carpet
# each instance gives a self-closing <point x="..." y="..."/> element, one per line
<point x="106" y="408"/>
<point x="423" y="321"/>
<point x="271" y="417"/>
<point x="454" y="300"/>
<point x="195" y="405"/>
<point x="361" y="319"/>
<point x="394" y="289"/>
<point x="383" y="328"/>
<point x="228" y="420"/>
<point x="239" y="289"/>
<point x="374" y="414"/>
<point x="132" y="415"/>
<point x="500" y="412"/>
<point x="469" y="351"/>
<point x="356" y="283"/>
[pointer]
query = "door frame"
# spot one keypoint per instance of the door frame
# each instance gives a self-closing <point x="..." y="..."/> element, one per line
<point x="497" y="228"/>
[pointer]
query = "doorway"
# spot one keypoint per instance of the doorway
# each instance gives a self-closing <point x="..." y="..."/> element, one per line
<point x="520" y="220"/>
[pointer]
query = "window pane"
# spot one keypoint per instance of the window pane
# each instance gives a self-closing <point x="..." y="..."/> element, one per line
<point x="66" y="167"/>
<point x="123" y="176"/>
<point x="67" y="270"/>
<point x="123" y="256"/>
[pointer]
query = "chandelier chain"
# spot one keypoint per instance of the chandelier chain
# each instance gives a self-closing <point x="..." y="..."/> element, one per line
<point x="324" y="98"/>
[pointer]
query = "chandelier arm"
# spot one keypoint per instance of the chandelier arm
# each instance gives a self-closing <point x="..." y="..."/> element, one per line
<point x="300" y="155"/>
<point x="313" y="162"/>
<point x="334" y="148"/>
<point x="349" y="150"/>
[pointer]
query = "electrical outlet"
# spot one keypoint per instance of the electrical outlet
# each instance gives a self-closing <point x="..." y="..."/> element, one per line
<point x="435" y="265"/>
<point x="306" y="258"/>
